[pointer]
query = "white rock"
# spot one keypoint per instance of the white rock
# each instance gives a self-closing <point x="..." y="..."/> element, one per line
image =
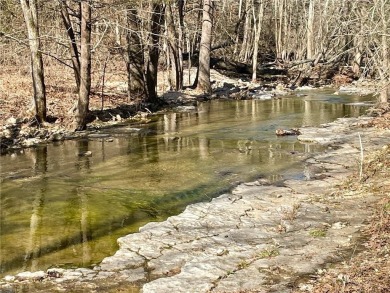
<point x="9" y="278"/>
<point x="11" y="120"/>
<point x="339" y="225"/>
<point x="55" y="272"/>
<point x="31" y="275"/>
<point x="30" y="142"/>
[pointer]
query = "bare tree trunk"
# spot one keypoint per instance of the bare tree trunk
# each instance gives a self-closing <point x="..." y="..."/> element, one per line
<point x="310" y="31"/>
<point x="238" y="35"/>
<point x="181" y="6"/>
<point x="385" y="87"/>
<point x="176" y="72"/>
<point x="135" y="55"/>
<point x="279" y="9"/>
<point x="357" y="60"/>
<point x="85" y="65"/>
<point x="258" y="24"/>
<point x="73" y="45"/>
<point x="117" y="33"/>
<point x="154" y="52"/>
<point x="204" y="84"/>
<point x="246" y="37"/>
<point x="30" y="12"/>
<point x="385" y="68"/>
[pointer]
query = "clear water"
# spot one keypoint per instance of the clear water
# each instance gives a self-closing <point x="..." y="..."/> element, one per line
<point x="64" y="210"/>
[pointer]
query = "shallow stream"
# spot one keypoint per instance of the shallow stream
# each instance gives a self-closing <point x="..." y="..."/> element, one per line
<point x="60" y="209"/>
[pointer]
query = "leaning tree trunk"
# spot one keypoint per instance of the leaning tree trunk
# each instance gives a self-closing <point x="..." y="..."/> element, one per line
<point x="154" y="52"/>
<point x="204" y="84"/>
<point x="85" y="65"/>
<point x="30" y="12"/>
<point x="72" y="39"/>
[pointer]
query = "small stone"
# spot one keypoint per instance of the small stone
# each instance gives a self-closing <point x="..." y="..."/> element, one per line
<point x="30" y="276"/>
<point x="72" y="275"/>
<point x="7" y="133"/>
<point x="23" y="276"/>
<point x="11" y="120"/>
<point x="321" y="271"/>
<point x="339" y="225"/>
<point x="186" y="108"/>
<point x="284" y="132"/>
<point x="85" y="154"/>
<point x="55" y="272"/>
<point x="57" y="137"/>
<point x="39" y="275"/>
<point x="30" y="142"/>
<point x="85" y="271"/>
<point x="9" y="278"/>
<point x="222" y="252"/>
<point x="306" y="287"/>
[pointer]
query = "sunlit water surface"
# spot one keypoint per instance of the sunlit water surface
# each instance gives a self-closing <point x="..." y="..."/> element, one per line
<point x="59" y="209"/>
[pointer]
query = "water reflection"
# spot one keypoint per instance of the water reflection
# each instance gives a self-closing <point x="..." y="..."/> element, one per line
<point x="34" y="245"/>
<point x="62" y="208"/>
<point x="86" y="235"/>
<point x="84" y="154"/>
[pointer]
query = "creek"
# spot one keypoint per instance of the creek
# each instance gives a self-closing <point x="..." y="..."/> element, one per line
<point x="61" y="209"/>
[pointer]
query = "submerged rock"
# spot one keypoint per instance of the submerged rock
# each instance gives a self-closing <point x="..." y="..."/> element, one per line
<point x="85" y="154"/>
<point x="262" y="96"/>
<point x="283" y="132"/>
<point x="354" y="89"/>
<point x="186" y="108"/>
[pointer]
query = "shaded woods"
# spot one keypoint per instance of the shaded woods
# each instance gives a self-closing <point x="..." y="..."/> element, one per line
<point x="132" y="42"/>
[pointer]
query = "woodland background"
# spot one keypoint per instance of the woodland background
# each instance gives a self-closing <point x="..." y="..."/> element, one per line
<point x="65" y="53"/>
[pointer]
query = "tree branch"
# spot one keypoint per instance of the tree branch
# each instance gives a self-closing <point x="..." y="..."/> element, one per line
<point x="4" y="35"/>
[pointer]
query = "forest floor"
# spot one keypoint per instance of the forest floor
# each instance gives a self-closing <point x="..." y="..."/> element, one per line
<point x="365" y="271"/>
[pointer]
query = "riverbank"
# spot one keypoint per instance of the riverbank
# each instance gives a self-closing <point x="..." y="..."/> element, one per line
<point x="19" y="129"/>
<point x="258" y="238"/>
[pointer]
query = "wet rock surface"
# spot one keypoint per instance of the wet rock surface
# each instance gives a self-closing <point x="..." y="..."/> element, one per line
<point x="257" y="238"/>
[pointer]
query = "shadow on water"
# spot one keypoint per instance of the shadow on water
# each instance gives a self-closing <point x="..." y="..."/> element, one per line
<point x="66" y="204"/>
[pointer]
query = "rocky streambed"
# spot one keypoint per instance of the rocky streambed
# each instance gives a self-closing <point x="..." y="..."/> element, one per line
<point x="260" y="237"/>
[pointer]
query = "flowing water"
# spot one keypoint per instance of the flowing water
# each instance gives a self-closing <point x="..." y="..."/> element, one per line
<point x="64" y="210"/>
